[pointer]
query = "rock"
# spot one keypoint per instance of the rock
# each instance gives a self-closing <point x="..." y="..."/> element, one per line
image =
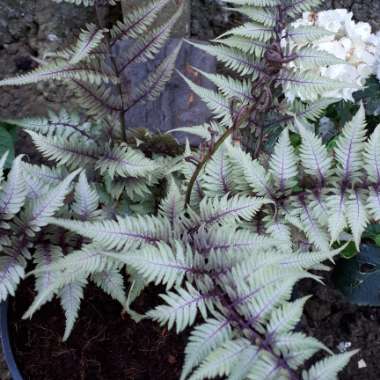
<point x="26" y="30"/>
<point x="177" y="106"/>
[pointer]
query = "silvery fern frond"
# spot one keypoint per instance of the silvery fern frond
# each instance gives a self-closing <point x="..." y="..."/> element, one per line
<point x="63" y="124"/>
<point x="137" y="21"/>
<point x="125" y="162"/>
<point x="70" y="296"/>
<point x="44" y="257"/>
<point x="124" y="233"/>
<point x="13" y="193"/>
<point x="216" y="102"/>
<point x="60" y="71"/>
<point x="302" y="35"/>
<point x="146" y="47"/>
<point x="372" y="156"/>
<point x="86" y="200"/>
<point x="111" y="281"/>
<point x="152" y="87"/>
<point x="283" y="163"/>
<point x="349" y="147"/>
<point x="86" y="3"/>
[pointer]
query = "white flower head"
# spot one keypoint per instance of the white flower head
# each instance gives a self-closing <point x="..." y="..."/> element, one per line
<point x="350" y="41"/>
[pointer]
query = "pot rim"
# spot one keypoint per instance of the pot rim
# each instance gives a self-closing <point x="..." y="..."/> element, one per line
<point x="6" y="343"/>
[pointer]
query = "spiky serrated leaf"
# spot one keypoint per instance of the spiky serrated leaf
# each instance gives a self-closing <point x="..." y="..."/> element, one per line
<point x="38" y="213"/>
<point x="181" y="307"/>
<point x="349" y="147"/>
<point x="283" y="163"/>
<point x="12" y="196"/>
<point x="216" y="102"/>
<point x="153" y="86"/>
<point x="314" y="156"/>
<point x="111" y="281"/>
<point x="66" y="151"/>
<point x="70" y="296"/>
<point x="12" y="270"/>
<point x="327" y="369"/>
<point x="204" y="339"/>
<point x="122" y="233"/>
<point x="356" y="215"/>
<point x="372" y="156"/>
<point x="136" y="22"/>
<point x="146" y="47"/>
<point x="86" y="199"/>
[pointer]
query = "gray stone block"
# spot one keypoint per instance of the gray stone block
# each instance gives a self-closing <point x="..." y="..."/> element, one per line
<point x="177" y="106"/>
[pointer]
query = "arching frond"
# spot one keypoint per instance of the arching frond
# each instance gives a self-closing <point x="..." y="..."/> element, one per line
<point x="229" y="87"/>
<point x="66" y="151"/>
<point x="146" y="47"/>
<point x="216" y="102"/>
<point x="349" y="147"/>
<point x="204" y="339"/>
<point x="59" y="71"/>
<point x="308" y="58"/>
<point x="181" y="307"/>
<point x="234" y="59"/>
<point x="86" y="199"/>
<point x="12" y="271"/>
<point x="45" y="256"/>
<point x="13" y="194"/>
<point x="40" y="210"/>
<point x="283" y="163"/>
<point x="161" y="264"/>
<point x="306" y="34"/>
<point x="357" y="216"/>
<point x="306" y="85"/>
<point x="251" y="30"/>
<point x="328" y="368"/>
<point x="137" y="21"/>
<point x="70" y="296"/>
<point x="125" y="162"/>
<point x="372" y="156"/>
<point x="172" y="207"/>
<point x="124" y="233"/>
<point x="217" y="178"/>
<point x="259" y="15"/>
<point x="63" y="124"/>
<point x="152" y="87"/>
<point x="315" y="159"/>
<point x="112" y="282"/>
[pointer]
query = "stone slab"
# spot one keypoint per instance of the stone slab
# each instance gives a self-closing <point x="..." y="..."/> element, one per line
<point x="177" y="106"/>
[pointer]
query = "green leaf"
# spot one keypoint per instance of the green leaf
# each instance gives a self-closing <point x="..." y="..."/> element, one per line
<point x="359" y="278"/>
<point x="6" y="144"/>
<point x="350" y="251"/>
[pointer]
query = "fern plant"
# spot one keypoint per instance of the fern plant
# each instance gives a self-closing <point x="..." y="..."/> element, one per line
<point x="116" y="177"/>
<point x="218" y="265"/>
<point x="233" y="236"/>
<point x="263" y="57"/>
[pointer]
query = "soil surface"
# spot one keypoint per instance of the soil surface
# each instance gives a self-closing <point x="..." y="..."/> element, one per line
<point x="337" y="323"/>
<point x="104" y="344"/>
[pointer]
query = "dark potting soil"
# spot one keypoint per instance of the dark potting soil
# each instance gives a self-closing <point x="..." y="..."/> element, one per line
<point x="104" y="345"/>
<point x="334" y="321"/>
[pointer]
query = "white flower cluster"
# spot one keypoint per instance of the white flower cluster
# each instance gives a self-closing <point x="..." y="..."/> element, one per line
<point x="350" y="41"/>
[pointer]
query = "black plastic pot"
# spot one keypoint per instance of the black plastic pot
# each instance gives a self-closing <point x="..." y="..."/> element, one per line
<point x="6" y="344"/>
